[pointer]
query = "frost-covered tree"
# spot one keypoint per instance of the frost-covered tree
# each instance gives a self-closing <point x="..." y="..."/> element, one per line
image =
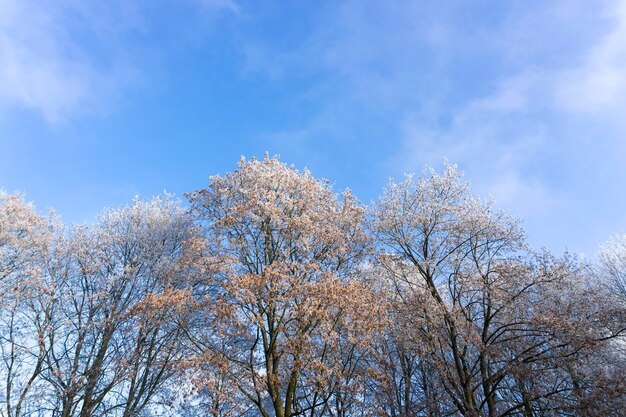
<point x="612" y="257"/>
<point x="274" y="296"/>
<point x="119" y="304"/>
<point x="286" y="307"/>
<point x="496" y="327"/>
<point x="25" y="298"/>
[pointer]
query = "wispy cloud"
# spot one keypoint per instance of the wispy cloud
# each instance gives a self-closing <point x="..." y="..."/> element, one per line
<point x="68" y="57"/>
<point x="598" y="85"/>
<point x="526" y="97"/>
<point x="548" y="138"/>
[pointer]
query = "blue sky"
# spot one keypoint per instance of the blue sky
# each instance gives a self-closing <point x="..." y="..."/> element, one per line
<point x="101" y="101"/>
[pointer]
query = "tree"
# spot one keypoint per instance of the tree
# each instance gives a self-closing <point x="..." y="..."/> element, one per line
<point x="287" y="287"/>
<point x="25" y="239"/>
<point x="274" y="296"/>
<point x="120" y="297"/>
<point x="612" y="265"/>
<point x="496" y="324"/>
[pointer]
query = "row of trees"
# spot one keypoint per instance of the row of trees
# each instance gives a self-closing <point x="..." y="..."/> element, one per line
<point x="273" y="296"/>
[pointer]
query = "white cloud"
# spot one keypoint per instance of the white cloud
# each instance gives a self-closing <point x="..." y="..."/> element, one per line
<point x="547" y="140"/>
<point x="526" y="97"/>
<point x="42" y="65"/>
<point x="599" y="84"/>
<point x="67" y="57"/>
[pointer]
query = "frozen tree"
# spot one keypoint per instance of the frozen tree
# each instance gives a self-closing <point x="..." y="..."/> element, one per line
<point x="497" y="327"/>
<point x="274" y="296"/>
<point x="25" y="298"/>
<point x="120" y="297"/>
<point x="286" y="308"/>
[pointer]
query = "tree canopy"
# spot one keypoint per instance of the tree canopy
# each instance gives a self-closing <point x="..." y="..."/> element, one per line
<point x="270" y="294"/>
